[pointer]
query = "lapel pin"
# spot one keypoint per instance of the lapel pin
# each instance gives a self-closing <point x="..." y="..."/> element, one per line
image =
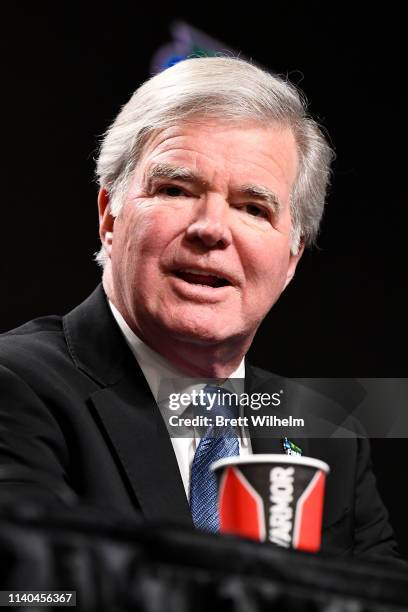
<point x="289" y="448"/>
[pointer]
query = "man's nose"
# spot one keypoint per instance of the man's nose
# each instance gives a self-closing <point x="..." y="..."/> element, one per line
<point x="210" y="222"/>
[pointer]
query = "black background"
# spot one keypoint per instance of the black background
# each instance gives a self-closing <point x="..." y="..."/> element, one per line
<point x="68" y="69"/>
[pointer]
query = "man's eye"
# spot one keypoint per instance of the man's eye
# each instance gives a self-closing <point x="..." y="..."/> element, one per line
<point x="255" y="211"/>
<point x="171" y="191"/>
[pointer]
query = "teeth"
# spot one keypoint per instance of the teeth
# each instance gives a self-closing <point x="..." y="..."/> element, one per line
<point x="201" y="272"/>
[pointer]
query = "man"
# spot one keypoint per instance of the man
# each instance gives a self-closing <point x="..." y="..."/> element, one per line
<point x="212" y="182"/>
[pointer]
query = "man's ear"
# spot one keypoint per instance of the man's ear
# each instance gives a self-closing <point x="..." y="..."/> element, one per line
<point x="293" y="262"/>
<point x="106" y="221"/>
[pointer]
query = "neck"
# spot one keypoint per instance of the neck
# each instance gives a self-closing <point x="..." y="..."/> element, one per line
<point x="198" y="360"/>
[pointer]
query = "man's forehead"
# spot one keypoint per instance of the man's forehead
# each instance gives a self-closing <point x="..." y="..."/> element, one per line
<point x="265" y="158"/>
<point x="172" y="138"/>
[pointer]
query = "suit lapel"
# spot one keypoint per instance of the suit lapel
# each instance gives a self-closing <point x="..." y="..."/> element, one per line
<point x="138" y="434"/>
<point x="257" y="381"/>
<point x="127" y="411"/>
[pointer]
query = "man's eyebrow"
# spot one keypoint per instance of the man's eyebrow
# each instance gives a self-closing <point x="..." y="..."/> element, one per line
<point x="181" y="173"/>
<point x="168" y="171"/>
<point x="259" y="192"/>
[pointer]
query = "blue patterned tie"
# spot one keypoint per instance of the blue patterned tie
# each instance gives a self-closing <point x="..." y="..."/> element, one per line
<point x="215" y="444"/>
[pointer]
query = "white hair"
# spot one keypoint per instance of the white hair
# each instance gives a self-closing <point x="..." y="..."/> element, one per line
<point x="228" y="89"/>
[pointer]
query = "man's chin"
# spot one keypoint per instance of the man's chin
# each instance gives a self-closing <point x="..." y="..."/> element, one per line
<point x="202" y="336"/>
<point x="206" y="329"/>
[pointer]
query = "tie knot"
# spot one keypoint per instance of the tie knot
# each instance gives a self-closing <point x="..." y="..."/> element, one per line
<point x="220" y="402"/>
<point x="221" y="406"/>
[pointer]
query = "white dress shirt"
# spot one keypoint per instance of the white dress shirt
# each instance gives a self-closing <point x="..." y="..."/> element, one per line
<point x="163" y="378"/>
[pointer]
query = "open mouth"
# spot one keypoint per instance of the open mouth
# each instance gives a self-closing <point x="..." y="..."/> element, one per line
<point x="198" y="277"/>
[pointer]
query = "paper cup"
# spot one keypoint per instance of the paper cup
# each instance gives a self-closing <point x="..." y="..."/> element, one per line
<point x="275" y="498"/>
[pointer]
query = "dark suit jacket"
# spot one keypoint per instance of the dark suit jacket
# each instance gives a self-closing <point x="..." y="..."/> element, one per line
<point x="78" y="423"/>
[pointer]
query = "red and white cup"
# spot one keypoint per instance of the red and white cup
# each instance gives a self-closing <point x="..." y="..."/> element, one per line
<point x="275" y="498"/>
